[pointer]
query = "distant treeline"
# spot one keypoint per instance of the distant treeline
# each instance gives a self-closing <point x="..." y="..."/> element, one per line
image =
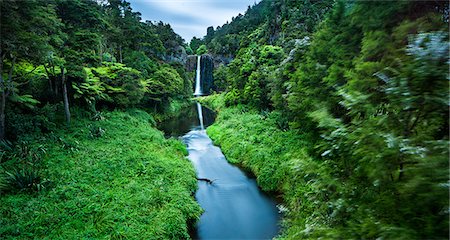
<point x="84" y="53"/>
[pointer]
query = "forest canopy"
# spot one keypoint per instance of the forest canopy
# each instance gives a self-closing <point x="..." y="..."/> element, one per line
<point x="339" y="107"/>
<point x="86" y="53"/>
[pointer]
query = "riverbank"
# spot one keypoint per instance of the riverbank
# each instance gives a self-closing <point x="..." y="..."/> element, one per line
<point x="114" y="176"/>
<point x="279" y="160"/>
<point x="234" y="206"/>
<point x="320" y="199"/>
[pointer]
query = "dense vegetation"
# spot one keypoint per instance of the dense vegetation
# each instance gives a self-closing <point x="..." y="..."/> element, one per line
<point x="87" y="54"/>
<point x="75" y="161"/>
<point x="343" y="108"/>
<point x="113" y="177"/>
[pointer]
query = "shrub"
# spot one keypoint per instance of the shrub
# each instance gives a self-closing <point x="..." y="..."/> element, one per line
<point x="112" y="82"/>
<point x="24" y="180"/>
<point x="164" y="83"/>
<point x="202" y="50"/>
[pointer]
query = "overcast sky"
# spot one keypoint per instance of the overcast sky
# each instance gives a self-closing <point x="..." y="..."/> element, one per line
<point x="190" y="18"/>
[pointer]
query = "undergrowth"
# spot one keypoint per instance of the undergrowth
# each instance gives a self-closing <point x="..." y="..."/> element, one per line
<point x="278" y="158"/>
<point x="319" y="201"/>
<point x="116" y="177"/>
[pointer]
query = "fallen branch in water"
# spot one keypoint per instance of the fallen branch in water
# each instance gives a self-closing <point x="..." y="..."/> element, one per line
<point x="206" y="180"/>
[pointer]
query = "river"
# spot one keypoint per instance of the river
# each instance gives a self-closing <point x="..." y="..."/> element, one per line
<point x="234" y="206"/>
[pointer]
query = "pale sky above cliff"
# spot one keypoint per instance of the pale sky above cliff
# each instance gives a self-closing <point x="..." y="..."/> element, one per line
<point x="190" y="18"/>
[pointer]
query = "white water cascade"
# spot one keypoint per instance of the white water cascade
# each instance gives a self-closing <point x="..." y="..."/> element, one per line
<point x="198" y="89"/>
<point x="200" y="115"/>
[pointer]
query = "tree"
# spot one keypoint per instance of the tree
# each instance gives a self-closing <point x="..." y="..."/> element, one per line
<point x="202" y="50"/>
<point x="26" y="31"/>
<point x="164" y="83"/>
<point x="111" y="83"/>
<point x="195" y="44"/>
<point x="209" y="34"/>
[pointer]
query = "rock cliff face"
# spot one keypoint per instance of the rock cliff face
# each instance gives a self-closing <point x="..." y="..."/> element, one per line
<point x="191" y="63"/>
<point x="221" y="60"/>
<point x="206" y="70"/>
<point x="179" y="56"/>
<point x="208" y="63"/>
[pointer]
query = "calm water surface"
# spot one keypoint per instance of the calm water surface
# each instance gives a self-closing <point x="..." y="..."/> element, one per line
<point x="235" y="208"/>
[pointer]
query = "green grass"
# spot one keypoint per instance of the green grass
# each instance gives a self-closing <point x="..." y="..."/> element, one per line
<point x="110" y="179"/>
<point x="321" y="200"/>
<point x="281" y="163"/>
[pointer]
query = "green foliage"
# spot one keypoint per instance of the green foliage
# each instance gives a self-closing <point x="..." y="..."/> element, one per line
<point x="112" y="82"/>
<point x="57" y="182"/>
<point x="251" y="74"/>
<point x="128" y="183"/>
<point x="164" y="83"/>
<point x="273" y="22"/>
<point x="220" y="76"/>
<point x="280" y="161"/>
<point x="367" y="93"/>
<point x="232" y="97"/>
<point x="202" y="50"/>
<point x="26" y="100"/>
<point x="189" y="50"/>
<point x="89" y="40"/>
<point x="270" y="55"/>
<point x="141" y="62"/>
<point x="357" y="141"/>
<point x="24" y="180"/>
<point x="32" y="121"/>
<point x="195" y="44"/>
<point x="214" y="101"/>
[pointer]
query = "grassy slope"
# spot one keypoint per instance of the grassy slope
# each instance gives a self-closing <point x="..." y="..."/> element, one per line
<point x="278" y="159"/>
<point x="128" y="183"/>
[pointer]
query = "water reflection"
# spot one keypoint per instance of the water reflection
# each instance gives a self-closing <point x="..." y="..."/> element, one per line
<point x="187" y="120"/>
<point x="235" y="208"/>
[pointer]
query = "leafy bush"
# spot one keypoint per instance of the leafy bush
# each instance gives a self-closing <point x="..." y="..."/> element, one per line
<point x="163" y="84"/>
<point x="24" y="180"/>
<point x="141" y="62"/>
<point x="130" y="183"/>
<point x="232" y="97"/>
<point x="220" y="76"/>
<point x="112" y="82"/>
<point x="270" y="55"/>
<point x="41" y="120"/>
<point x="96" y="132"/>
<point x="202" y="50"/>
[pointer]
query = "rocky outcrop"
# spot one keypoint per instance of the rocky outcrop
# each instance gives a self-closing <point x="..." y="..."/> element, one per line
<point x="208" y="63"/>
<point x="221" y="60"/>
<point x="207" y="67"/>
<point x="191" y="63"/>
<point x="179" y="56"/>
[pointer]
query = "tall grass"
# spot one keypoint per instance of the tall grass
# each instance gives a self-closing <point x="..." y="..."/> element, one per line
<point x="278" y="158"/>
<point x="113" y="178"/>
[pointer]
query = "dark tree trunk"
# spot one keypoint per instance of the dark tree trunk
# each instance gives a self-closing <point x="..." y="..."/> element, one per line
<point x="120" y="54"/>
<point x="100" y="51"/>
<point x="65" y="97"/>
<point x="4" y="92"/>
<point x="3" y="102"/>
<point x="50" y="84"/>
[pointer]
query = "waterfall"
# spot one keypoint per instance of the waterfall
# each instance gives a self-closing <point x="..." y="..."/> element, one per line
<point x="200" y="115"/>
<point x="198" y="89"/>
